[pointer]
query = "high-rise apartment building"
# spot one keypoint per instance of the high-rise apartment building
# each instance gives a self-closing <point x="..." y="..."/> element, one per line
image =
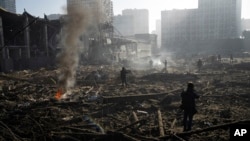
<point x="103" y="9"/>
<point x="220" y="18"/>
<point x="9" y="5"/>
<point x="141" y="19"/>
<point x="132" y="21"/>
<point x="179" y="25"/>
<point x="124" y="25"/>
<point x="214" y="19"/>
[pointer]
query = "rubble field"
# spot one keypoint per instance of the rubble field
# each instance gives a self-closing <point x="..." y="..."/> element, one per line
<point x="99" y="108"/>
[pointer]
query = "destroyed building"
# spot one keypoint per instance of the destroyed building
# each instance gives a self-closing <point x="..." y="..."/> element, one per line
<point x="98" y="40"/>
<point x="30" y="42"/>
<point x="146" y="44"/>
<point x="104" y="42"/>
<point x="100" y="109"/>
<point x="35" y="105"/>
<point x="27" y="42"/>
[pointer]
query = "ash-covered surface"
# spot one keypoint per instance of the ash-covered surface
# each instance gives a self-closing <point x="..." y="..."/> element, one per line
<point x="99" y="108"/>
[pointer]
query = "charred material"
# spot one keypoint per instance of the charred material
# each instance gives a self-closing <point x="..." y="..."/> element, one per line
<point x="145" y="110"/>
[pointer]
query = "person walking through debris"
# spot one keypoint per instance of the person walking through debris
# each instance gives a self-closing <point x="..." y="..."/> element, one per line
<point x="231" y="58"/>
<point x="165" y="64"/>
<point x="219" y="58"/>
<point x="188" y="105"/>
<point x="151" y="63"/>
<point x="124" y="76"/>
<point x="199" y="65"/>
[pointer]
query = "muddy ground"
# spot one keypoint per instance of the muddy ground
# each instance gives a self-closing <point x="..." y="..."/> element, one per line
<point x="99" y="108"/>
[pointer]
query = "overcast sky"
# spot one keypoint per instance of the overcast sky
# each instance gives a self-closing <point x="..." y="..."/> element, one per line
<point x="39" y="7"/>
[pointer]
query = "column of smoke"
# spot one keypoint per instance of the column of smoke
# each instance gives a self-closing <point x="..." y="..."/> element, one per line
<point x="76" y="24"/>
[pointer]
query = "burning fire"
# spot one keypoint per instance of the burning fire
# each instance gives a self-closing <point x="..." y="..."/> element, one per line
<point x="59" y="94"/>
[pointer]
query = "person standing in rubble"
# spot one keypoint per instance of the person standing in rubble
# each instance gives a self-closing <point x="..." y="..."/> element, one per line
<point x="124" y="77"/>
<point x="219" y="58"/>
<point x="165" y="64"/>
<point x="199" y="65"/>
<point x="188" y="105"/>
<point x="151" y="63"/>
<point x="231" y="58"/>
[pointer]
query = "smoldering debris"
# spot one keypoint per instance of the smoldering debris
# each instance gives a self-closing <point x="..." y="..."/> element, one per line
<point x="76" y="24"/>
<point x="109" y="111"/>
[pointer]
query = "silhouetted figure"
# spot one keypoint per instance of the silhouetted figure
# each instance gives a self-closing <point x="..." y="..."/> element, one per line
<point x="219" y="58"/>
<point x="151" y="64"/>
<point x="231" y="58"/>
<point x="124" y="76"/>
<point x="165" y="64"/>
<point x="199" y="64"/>
<point x="188" y="105"/>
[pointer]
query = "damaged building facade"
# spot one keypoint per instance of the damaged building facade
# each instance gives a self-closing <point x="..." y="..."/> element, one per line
<point x="134" y="24"/>
<point x="27" y="42"/>
<point x="104" y="42"/>
<point x="98" y="38"/>
<point x="192" y="29"/>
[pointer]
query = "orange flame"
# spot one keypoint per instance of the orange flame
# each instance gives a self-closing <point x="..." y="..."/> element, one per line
<point x="58" y="94"/>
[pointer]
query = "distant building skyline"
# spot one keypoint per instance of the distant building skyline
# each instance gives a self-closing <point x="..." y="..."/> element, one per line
<point x="214" y="19"/>
<point x="141" y="19"/>
<point x="41" y="7"/>
<point x="123" y="25"/>
<point x="245" y="24"/>
<point x="9" y="5"/>
<point x="101" y="8"/>
<point x="132" y="21"/>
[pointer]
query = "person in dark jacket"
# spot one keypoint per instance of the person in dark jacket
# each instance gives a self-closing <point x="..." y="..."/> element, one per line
<point x="124" y="76"/>
<point x="151" y="63"/>
<point x="188" y="105"/>
<point x="165" y="64"/>
<point x="199" y="64"/>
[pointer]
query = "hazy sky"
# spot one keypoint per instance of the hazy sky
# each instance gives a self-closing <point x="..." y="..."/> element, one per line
<point x="39" y="7"/>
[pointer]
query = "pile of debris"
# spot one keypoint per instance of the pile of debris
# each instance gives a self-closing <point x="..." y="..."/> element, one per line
<point x="101" y="109"/>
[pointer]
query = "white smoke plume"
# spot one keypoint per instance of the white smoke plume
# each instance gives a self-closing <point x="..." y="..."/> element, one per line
<point x="76" y="23"/>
